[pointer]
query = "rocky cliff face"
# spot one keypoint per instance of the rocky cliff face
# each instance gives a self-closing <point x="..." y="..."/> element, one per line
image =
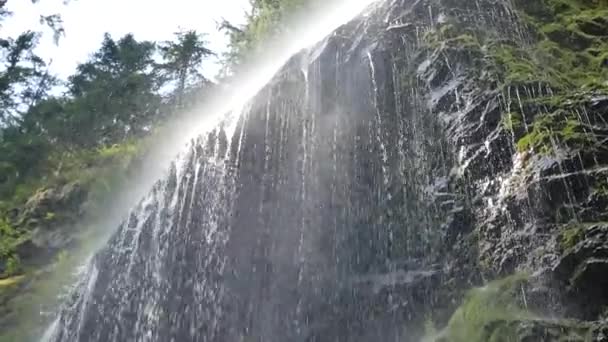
<point x="425" y="149"/>
<point x="518" y="90"/>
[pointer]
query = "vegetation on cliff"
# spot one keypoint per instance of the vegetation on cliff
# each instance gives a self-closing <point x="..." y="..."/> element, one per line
<point x="497" y="303"/>
<point x="63" y="155"/>
<point x="91" y="135"/>
<point x="534" y="96"/>
<point x="499" y="312"/>
<point x="547" y="81"/>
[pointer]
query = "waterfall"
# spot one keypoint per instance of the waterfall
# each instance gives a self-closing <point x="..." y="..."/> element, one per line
<point x="226" y="245"/>
<point x="363" y="178"/>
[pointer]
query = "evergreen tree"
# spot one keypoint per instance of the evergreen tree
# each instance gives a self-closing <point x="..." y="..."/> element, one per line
<point x="183" y="59"/>
<point x="265" y="20"/>
<point x="24" y="81"/>
<point x="114" y="93"/>
<point x="113" y="97"/>
<point x="23" y="76"/>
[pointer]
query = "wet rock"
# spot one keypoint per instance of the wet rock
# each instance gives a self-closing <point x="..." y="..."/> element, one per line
<point x="561" y="330"/>
<point x="28" y="250"/>
<point x="596" y="27"/>
<point x="49" y="216"/>
<point x="66" y="198"/>
<point x="541" y="330"/>
<point x="583" y="268"/>
<point x="568" y="38"/>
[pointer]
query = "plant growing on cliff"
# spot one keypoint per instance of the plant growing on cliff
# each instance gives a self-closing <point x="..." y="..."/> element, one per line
<point x="486" y="312"/>
<point x="561" y="128"/>
<point x="8" y="239"/>
<point x="570" y="236"/>
<point x="13" y="266"/>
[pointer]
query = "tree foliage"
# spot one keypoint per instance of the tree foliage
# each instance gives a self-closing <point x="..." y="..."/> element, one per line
<point x="183" y="59"/>
<point x="23" y="78"/>
<point x="112" y="98"/>
<point x="110" y="103"/>
<point x="114" y="95"/>
<point x="265" y="20"/>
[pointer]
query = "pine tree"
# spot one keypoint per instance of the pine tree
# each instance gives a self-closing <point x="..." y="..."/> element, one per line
<point x="114" y="93"/>
<point x="183" y="59"/>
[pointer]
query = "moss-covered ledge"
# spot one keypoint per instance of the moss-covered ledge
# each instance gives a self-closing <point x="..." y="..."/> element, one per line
<point x="499" y="312"/>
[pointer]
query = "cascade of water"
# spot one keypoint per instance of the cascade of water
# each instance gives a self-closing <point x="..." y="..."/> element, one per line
<point x="176" y="241"/>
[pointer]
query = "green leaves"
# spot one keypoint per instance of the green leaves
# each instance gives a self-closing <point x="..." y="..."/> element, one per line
<point x="23" y="78"/>
<point x="114" y="93"/>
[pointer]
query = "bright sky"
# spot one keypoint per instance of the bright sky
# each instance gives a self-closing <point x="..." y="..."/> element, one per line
<point x="85" y="22"/>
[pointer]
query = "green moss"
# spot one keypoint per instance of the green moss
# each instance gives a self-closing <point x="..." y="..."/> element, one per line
<point x="518" y="67"/>
<point x="591" y="22"/>
<point x="454" y="36"/>
<point x="566" y="57"/>
<point x="535" y="9"/>
<point x="570" y="44"/>
<point x="561" y="128"/>
<point x="497" y="312"/>
<point x="570" y="236"/>
<point x="568" y="54"/>
<point x="555" y="9"/>
<point x="50" y="216"/>
<point x="485" y="313"/>
<point x="538" y="138"/>
<point x="512" y="121"/>
<point x="600" y="188"/>
<point x="568" y="37"/>
<point x="62" y="257"/>
<point x="545" y="82"/>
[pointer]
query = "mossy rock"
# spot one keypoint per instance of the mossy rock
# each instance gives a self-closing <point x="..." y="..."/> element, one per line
<point x="477" y="319"/>
<point x="560" y="130"/>
<point x="570" y="236"/>
<point x="595" y="24"/>
<point x="537" y="9"/>
<point x="567" y="37"/>
<point x="497" y="313"/>
<point x="582" y="267"/>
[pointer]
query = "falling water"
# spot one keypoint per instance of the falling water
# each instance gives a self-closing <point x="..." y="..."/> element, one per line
<point x="337" y="199"/>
